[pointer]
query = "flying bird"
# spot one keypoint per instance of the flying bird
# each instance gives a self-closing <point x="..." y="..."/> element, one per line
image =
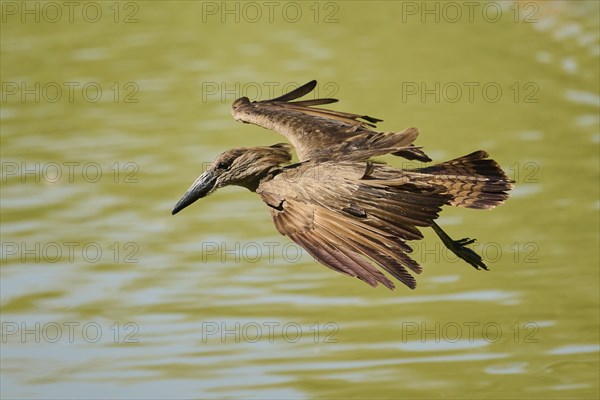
<point x="353" y="214"/>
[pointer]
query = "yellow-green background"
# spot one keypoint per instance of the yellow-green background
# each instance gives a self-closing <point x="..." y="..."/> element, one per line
<point x="542" y="245"/>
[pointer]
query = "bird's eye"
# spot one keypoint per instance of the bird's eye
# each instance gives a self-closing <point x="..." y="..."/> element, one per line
<point x="223" y="164"/>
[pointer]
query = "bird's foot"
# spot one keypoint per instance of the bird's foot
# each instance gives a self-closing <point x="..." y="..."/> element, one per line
<point x="459" y="248"/>
<point x="464" y="241"/>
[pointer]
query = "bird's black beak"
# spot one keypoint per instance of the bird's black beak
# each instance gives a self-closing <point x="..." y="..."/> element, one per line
<point x="200" y="188"/>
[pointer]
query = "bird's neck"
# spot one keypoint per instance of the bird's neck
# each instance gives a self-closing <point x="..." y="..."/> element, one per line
<point x="254" y="181"/>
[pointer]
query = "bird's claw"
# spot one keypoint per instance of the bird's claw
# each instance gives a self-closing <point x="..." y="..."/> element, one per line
<point x="465" y="241"/>
<point x="467" y="254"/>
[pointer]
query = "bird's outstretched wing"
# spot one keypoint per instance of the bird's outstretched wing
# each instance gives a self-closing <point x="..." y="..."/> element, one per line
<point x="317" y="132"/>
<point x="355" y="224"/>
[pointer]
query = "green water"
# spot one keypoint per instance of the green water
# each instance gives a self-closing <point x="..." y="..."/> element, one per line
<point x="111" y="111"/>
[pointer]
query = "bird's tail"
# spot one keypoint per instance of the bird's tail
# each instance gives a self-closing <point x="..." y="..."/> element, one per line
<point x="472" y="181"/>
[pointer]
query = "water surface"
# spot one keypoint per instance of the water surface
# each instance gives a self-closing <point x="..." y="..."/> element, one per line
<point x="106" y="295"/>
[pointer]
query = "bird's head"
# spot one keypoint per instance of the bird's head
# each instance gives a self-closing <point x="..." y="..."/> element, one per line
<point x="242" y="167"/>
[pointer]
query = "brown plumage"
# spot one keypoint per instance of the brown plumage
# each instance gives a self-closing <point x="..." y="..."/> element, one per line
<point x="350" y="213"/>
<point x="325" y="134"/>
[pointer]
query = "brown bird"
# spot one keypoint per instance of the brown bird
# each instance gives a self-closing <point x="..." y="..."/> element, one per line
<point x="349" y="212"/>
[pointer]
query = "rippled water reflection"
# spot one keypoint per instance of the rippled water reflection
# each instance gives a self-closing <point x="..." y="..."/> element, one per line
<point x="106" y="295"/>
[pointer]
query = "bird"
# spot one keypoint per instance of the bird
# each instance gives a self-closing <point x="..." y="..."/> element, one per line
<point x="349" y="211"/>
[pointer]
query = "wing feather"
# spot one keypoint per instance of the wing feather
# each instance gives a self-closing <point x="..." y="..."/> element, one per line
<point x="315" y="102"/>
<point x="363" y="270"/>
<point x="349" y="118"/>
<point x="294" y="222"/>
<point x="309" y="244"/>
<point x="374" y="249"/>
<point x="296" y="93"/>
<point x="321" y="132"/>
<point x="346" y="245"/>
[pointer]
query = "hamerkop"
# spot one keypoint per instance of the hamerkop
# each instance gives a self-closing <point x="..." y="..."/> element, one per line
<point x="346" y="210"/>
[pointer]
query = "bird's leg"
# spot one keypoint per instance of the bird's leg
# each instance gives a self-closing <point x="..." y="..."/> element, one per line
<point x="458" y="248"/>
